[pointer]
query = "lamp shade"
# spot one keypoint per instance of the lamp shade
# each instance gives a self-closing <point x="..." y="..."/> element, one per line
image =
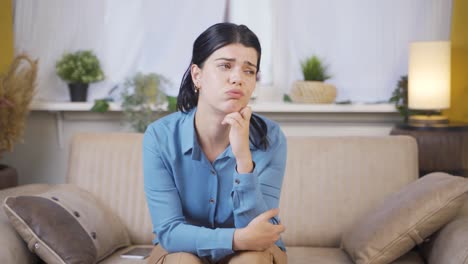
<point x="429" y="75"/>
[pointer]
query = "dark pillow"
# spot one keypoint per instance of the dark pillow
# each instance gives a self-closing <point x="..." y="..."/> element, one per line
<point x="405" y="219"/>
<point x="66" y="225"/>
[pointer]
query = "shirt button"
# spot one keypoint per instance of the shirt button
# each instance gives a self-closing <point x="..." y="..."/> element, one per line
<point x="237" y="181"/>
<point x="213" y="172"/>
<point x="212" y="201"/>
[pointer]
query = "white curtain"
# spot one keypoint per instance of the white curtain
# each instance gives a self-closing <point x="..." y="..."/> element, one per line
<point x="364" y="42"/>
<point x="127" y="36"/>
<point x="257" y="15"/>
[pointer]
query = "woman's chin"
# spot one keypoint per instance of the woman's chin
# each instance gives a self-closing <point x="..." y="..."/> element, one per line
<point x="231" y="108"/>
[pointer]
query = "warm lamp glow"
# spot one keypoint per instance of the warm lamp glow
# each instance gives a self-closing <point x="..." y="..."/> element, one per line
<point x="429" y="75"/>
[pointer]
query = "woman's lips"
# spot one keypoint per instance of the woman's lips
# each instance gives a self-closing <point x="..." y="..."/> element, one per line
<point x="235" y="93"/>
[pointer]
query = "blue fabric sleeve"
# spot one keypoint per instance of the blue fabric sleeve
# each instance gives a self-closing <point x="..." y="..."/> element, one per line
<point x="259" y="191"/>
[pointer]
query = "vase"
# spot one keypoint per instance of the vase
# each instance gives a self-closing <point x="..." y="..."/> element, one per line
<point x="313" y="92"/>
<point x="78" y="92"/>
<point x="8" y="177"/>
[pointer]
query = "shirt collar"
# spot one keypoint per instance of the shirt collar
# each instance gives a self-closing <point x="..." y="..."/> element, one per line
<point x="189" y="137"/>
<point x="188" y="131"/>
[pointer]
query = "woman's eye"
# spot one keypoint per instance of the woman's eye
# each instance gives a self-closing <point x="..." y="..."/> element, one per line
<point x="250" y="72"/>
<point x="225" y="66"/>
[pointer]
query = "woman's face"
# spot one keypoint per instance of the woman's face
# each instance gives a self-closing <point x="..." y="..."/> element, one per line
<point x="227" y="79"/>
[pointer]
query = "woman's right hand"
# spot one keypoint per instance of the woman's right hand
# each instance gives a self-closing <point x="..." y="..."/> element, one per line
<point x="259" y="234"/>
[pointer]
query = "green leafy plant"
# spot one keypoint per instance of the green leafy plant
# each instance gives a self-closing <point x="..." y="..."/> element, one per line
<point x="101" y="105"/>
<point x="79" y="67"/>
<point x="400" y="97"/>
<point x="400" y="94"/>
<point x="142" y="99"/>
<point x="314" y="70"/>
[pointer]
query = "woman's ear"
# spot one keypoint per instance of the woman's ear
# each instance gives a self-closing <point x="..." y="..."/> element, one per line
<point x="196" y="72"/>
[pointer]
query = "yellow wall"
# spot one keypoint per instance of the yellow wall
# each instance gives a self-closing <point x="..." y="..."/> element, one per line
<point x="459" y="37"/>
<point x="6" y="35"/>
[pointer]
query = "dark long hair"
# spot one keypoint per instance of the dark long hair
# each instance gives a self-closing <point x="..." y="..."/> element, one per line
<point x="212" y="39"/>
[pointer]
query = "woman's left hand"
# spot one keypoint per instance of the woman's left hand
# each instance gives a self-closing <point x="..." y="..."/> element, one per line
<point x="239" y="138"/>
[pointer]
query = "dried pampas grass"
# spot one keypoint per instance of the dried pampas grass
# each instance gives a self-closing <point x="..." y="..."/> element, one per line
<point x="17" y="89"/>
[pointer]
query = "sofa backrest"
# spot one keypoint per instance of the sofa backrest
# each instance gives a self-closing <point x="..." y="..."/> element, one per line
<point x="331" y="182"/>
<point x="109" y="165"/>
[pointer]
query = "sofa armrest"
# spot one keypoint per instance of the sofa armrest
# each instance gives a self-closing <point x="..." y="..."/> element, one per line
<point x="12" y="247"/>
<point x="450" y="244"/>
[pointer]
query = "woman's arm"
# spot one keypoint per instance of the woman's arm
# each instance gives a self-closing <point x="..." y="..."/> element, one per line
<point x="256" y="199"/>
<point x="256" y="186"/>
<point x="259" y="191"/>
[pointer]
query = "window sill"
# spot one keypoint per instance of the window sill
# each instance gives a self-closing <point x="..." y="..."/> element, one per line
<point x="259" y="107"/>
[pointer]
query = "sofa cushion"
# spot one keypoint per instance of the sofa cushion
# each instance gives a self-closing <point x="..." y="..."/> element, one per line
<point x="405" y="219"/>
<point x="307" y="255"/>
<point x="108" y="165"/>
<point x="333" y="181"/>
<point x="322" y="255"/>
<point x="116" y="259"/>
<point x="411" y="257"/>
<point x="450" y="244"/>
<point x="66" y="224"/>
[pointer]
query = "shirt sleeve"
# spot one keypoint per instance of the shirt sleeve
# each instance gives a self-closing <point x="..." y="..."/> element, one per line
<point x="169" y="224"/>
<point x="259" y="191"/>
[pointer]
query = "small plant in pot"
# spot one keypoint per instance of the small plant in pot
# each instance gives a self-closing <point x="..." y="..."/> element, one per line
<point x="313" y="89"/>
<point x="79" y="69"/>
<point x="400" y="97"/>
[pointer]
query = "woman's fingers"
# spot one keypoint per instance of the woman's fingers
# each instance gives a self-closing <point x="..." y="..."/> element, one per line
<point x="232" y="121"/>
<point x="242" y="117"/>
<point x="246" y="112"/>
<point x="239" y="123"/>
<point x="267" y="215"/>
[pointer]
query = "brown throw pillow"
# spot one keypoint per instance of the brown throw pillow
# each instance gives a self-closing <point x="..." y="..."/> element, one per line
<point x="66" y="225"/>
<point x="405" y="219"/>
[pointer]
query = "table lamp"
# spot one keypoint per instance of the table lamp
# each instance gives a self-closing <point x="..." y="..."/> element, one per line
<point x="429" y="81"/>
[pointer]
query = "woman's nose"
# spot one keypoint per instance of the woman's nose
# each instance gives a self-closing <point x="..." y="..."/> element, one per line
<point x="236" y="77"/>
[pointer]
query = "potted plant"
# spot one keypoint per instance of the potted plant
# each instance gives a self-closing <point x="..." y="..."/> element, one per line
<point x="17" y="89"/>
<point x="313" y="89"/>
<point x="79" y="69"/>
<point x="400" y="97"/>
<point x="143" y="98"/>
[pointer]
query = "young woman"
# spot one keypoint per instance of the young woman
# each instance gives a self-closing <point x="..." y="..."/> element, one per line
<point x="213" y="170"/>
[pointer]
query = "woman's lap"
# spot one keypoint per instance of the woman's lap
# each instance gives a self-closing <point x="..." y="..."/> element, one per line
<point x="272" y="255"/>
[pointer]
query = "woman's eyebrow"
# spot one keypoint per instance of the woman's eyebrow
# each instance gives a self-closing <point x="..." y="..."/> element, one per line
<point x="233" y="60"/>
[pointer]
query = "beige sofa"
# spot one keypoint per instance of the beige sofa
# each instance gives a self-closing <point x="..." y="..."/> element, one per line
<point x="330" y="183"/>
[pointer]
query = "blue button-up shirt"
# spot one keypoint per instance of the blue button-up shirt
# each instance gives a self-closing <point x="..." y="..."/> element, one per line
<point x="195" y="205"/>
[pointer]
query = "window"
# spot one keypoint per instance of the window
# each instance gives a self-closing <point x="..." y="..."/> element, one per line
<point x="364" y="42"/>
<point x="127" y="36"/>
